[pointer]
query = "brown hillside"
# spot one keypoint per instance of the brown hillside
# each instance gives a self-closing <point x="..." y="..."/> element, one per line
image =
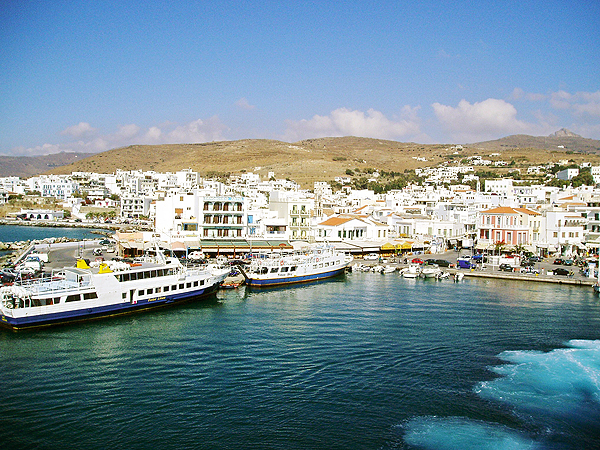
<point x="304" y="162"/>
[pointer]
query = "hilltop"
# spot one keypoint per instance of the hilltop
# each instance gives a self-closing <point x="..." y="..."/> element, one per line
<point x="563" y="139"/>
<point x="309" y="160"/>
<point x="304" y="161"/>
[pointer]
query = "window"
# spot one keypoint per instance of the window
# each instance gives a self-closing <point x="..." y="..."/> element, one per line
<point x="73" y="298"/>
<point x="140" y="292"/>
<point x="188" y="285"/>
<point x="124" y="295"/>
<point x="274" y="269"/>
<point x="166" y="289"/>
<point x="90" y="295"/>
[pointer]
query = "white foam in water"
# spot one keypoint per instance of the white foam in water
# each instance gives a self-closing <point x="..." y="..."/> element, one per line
<point x="563" y="382"/>
<point x="452" y="433"/>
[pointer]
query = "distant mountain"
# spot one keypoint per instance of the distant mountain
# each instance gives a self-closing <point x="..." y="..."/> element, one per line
<point x="562" y="140"/>
<point x="306" y="161"/>
<point x="563" y="132"/>
<point x="28" y="166"/>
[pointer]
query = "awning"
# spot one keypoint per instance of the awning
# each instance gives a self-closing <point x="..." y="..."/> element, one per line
<point x="178" y="245"/>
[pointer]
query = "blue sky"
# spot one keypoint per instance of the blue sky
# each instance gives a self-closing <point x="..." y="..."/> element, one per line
<point x="96" y="75"/>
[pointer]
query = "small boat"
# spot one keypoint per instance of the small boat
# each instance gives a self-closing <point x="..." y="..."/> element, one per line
<point x="458" y="276"/>
<point x="389" y="269"/>
<point x="443" y="275"/>
<point x="430" y="272"/>
<point x="85" y="292"/>
<point x="231" y="285"/>
<point x="299" y="266"/>
<point x="412" y="271"/>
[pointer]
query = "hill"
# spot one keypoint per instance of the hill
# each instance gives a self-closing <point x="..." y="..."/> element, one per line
<point x="563" y="139"/>
<point x="304" y="162"/>
<point x="307" y="161"/>
<point x="28" y="166"/>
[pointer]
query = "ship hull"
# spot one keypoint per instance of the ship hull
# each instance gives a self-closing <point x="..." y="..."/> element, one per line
<point x="103" y="311"/>
<point x="267" y="282"/>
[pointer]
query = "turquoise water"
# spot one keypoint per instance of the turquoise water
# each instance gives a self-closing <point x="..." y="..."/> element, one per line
<point x="16" y="233"/>
<point x="367" y="362"/>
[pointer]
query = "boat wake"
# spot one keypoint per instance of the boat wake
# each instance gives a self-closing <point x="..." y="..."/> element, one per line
<point x="547" y="391"/>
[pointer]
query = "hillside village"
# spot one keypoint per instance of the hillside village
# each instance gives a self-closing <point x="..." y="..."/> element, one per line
<point x="450" y="206"/>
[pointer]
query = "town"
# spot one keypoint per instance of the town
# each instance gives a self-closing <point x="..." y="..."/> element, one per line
<point x="449" y="208"/>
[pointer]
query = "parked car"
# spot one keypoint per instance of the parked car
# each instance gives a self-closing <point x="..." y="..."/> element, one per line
<point x="465" y="263"/>
<point x="371" y="257"/>
<point x="417" y="261"/>
<point x="559" y="261"/>
<point x="441" y="262"/>
<point x="479" y="258"/>
<point x="560" y="271"/>
<point x="568" y="262"/>
<point x="505" y="267"/>
<point x="535" y="258"/>
<point x="529" y="269"/>
<point x="527" y="263"/>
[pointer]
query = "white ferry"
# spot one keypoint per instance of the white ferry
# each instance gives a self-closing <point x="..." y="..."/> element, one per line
<point x="309" y="264"/>
<point x="83" y="293"/>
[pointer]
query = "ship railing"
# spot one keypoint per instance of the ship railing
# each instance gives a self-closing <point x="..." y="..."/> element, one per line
<point x="53" y="284"/>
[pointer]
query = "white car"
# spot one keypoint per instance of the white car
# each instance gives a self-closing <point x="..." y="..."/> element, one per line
<point x="371" y="257"/>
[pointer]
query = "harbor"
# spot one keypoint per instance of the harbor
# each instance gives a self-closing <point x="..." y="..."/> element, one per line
<point x="360" y="361"/>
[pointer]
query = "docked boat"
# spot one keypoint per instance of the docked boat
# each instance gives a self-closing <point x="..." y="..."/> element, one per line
<point x="308" y="264"/>
<point x="82" y="293"/>
<point x="430" y="272"/>
<point x="412" y="271"/>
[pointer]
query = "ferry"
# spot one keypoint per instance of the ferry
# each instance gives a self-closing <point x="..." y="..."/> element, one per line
<point x="308" y="264"/>
<point x="81" y="293"/>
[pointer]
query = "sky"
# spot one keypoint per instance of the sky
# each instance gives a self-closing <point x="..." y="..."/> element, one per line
<point x="90" y="76"/>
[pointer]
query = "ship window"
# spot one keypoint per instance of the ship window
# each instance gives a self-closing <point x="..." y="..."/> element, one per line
<point x="56" y="300"/>
<point x="153" y="274"/>
<point x="188" y="285"/>
<point x="293" y="268"/>
<point x="274" y="269"/>
<point x="180" y="285"/>
<point x="285" y="269"/>
<point x="146" y="274"/>
<point x="158" y="290"/>
<point x="263" y="270"/>
<point x="124" y="295"/>
<point x="141" y="292"/>
<point x="195" y="284"/>
<point x="166" y="289"/>
<point x="201" y="282"/>
<point x="174" y="287"/>
<point x="124" y="277"/>
<point x="73" y="298"/>
<point x="90" y="295"/>
<point x="149" y="291"/>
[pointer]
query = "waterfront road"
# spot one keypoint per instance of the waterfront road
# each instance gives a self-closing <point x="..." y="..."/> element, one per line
<point x="545" y="268"/>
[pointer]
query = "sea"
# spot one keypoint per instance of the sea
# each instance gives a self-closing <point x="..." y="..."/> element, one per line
<point x="17" y="233"/>
<point x="364" y="361"/>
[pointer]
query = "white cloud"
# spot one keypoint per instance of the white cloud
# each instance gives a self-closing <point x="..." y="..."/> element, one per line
<point x="243" y="103"/>
<point x="127" y="131"/>
<point x="80" y="130"/>
<point x="211" y="129"/>
<point x="198" y="131"/>
<point x="488" y="119"/>
<point x="519" y="94"/>
<point x="345" y="122"/>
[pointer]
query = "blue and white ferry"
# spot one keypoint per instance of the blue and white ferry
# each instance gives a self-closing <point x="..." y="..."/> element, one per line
<point x="308" y="264"/>
<point x="83" y="293"/>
